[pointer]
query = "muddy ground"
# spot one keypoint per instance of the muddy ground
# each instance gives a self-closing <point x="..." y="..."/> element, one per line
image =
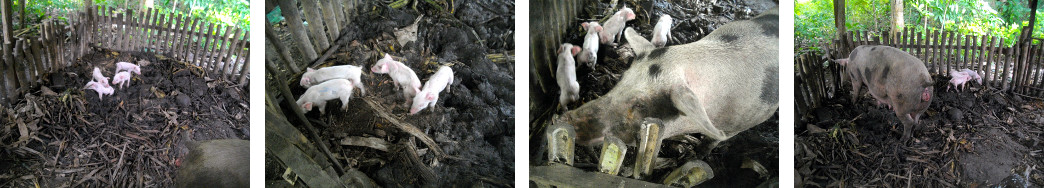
<point x="692" y="21"/>
<point x="975" y="138"/>
<point x="474" y="117"/>
<point x="131" y="138"/>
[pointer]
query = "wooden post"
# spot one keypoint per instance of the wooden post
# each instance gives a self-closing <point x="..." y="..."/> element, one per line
<point x="12" y="85"/>
<point x="283" y="54"/>
<point x="297" y="30"/>
<point x="227" y="59"/>
<point x="330" y="18"/>
<point x="839" y="16"/>
<point x="315" y="24"/>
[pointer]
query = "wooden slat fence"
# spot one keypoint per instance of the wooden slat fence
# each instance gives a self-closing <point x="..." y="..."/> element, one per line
<point x="222" y="51"/>
<point x="326" y="21"/>
<point x="1016" y="68"/>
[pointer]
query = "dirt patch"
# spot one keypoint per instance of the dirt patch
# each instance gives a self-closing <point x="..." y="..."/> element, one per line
<point x="693" y="21"/>
<point x="474" y="117"/>
<point x="131" y="138"/>
<point x="972" y="138"/>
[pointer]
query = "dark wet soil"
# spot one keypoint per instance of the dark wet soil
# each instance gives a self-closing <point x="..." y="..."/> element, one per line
<point x="131" y="138"/>
<point x="979" y="137"/>
<point x="692" y="21"/>
<point x="474" y="117"/>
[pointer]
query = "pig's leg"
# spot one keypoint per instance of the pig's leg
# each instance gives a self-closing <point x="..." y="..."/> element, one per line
<point x="904" y="118"/>
<point x="856" y="86"/>
<point x="344" y="101"/>
<point x="322" y="106"/>
<point x="694" y="120"/>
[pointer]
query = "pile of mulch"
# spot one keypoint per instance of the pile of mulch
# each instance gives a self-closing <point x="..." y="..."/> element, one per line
<point x="692" y="21"/>
<point x="978" y="137"/>
<point x="473" y="120"/>
<point x="62" y="135"/>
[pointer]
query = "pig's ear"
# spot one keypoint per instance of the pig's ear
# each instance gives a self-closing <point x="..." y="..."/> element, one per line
<point x="598" y="29"/>
<point x="584" y="25"/>
<point x="307" y="106"/>
<point x="386" y="56"/>
<point x="638" y="43"/>
<point x="430" y="96"/>
<point x="576" y="49"/>
<point x="310" y="69"/>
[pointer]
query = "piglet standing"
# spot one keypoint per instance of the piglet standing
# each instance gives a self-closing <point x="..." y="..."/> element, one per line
<point x="401" y="74"/>
<point x="349" y="72"/>
<point x="124" y="66"/>
<point x="589" y="54"/>
<point x="318" y="95"/>
<point x="430" y="94"/>
<point x="974" y="75"/>
<point x="102" y="89"/>
<point x="613" y="27"/>
<point x="957" y="80"/>
<point x="662" y="31"/>
<point x="122" y="78"/>
<point x="566" y="75"/>
<point x="100" y="78"/>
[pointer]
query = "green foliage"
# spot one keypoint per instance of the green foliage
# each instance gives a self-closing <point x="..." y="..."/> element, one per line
<point x="230" y="12"/>
<point x="814" y="20"/>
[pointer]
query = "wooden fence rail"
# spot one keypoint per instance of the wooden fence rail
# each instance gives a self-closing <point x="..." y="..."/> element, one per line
<point x="325" y="18"/>
<point x="1016" y="68"/>
<point x="222" y="51"/>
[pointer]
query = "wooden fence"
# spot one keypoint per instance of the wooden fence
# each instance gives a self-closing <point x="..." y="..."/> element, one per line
<point x="325" y="18"/>
<point x="218" y="49"/>
<point x="1016" y="68"/>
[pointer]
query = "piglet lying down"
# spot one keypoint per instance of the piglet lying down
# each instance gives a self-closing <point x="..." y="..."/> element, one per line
<point x="318" y="95"/>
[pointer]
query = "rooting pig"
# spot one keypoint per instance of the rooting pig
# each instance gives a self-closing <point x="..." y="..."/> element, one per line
<point x="893" y="77"/>
<point x="718" y="86"/>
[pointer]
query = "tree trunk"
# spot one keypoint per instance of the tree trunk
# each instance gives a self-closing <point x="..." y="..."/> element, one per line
<point x="897" y="17"/>
<point x="839" y="16"/>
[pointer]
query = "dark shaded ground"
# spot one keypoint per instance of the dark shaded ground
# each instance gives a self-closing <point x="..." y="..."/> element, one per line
<point x="474" y="118"/>
<point x="692" y="21"/>
<point x="131" y="138"/>
<point x="974" y="138"/>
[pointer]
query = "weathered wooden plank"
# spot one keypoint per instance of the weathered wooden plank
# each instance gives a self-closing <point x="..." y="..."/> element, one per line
<point x="157" y="38"/>
<point x="330" y="18"/>
<point x="243" y="72"/>
<point x="240" y="55"/>
<point x="220" y="61"/>
<point x="204" y="51"/>
<point x="30" y="58"/>
<point x="200" y="40"/>
<point x="293" y="20"/>
<point x="151" y="37"/>
<point x="992" y="61"/>
<point x="183" y="37"/>
<point x="952" y="52"/>
<point x="22" y="67"/>
<point x="315" y="24"/>
<point x="281" y="49"/>
<point x="178" y="37"/>
<point x="228" y="60"/>
<point x="1007" y="62"/>
<point x="212" y="48"/>
<point x="5" y="11"/>
<point x="35" y="48"/>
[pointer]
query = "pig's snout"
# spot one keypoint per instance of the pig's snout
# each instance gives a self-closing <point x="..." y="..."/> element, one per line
<point x="926" y="95"/>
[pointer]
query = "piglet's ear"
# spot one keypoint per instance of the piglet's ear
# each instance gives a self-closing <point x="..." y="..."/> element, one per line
<point x="430" y="96"/>
<point x="307" y="106"/>
<point x="310" y="69"/>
